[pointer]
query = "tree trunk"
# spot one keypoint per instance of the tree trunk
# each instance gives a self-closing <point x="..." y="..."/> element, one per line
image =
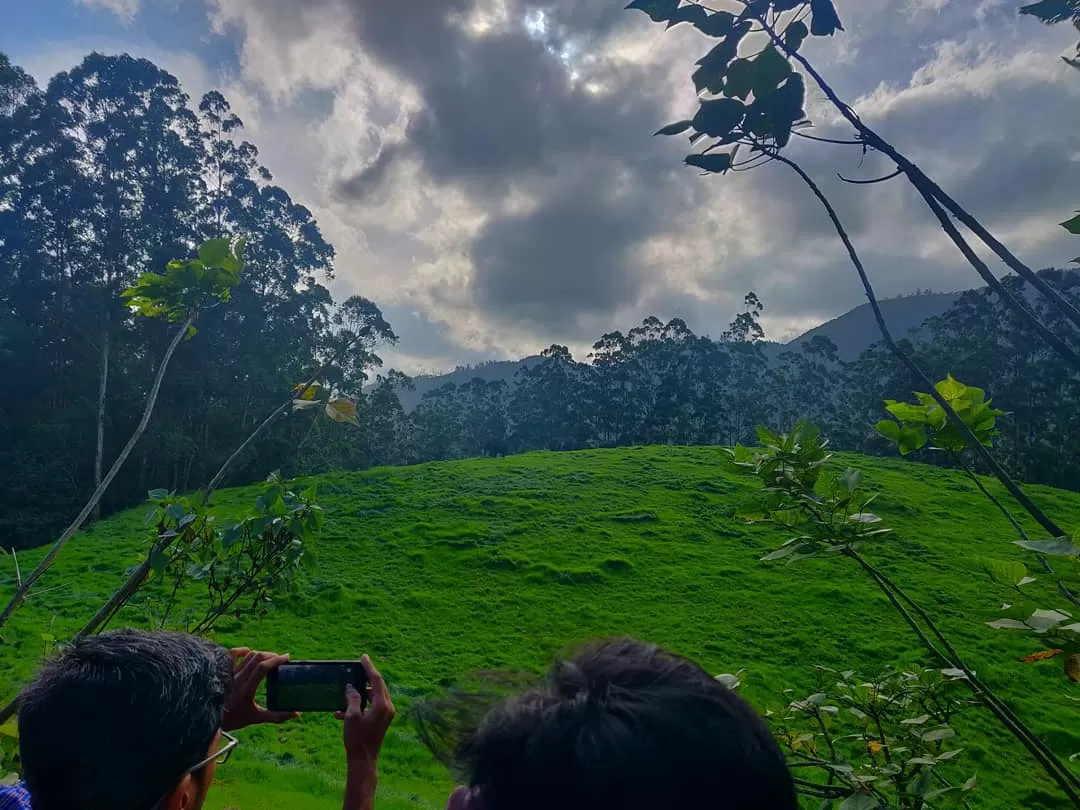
<point x="103" y="391"/>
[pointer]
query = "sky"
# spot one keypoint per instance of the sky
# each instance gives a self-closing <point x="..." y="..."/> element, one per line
<point x="487" y="171"/>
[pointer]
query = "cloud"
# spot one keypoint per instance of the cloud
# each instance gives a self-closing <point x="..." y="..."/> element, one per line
<point x="488" y="167"/>
<point x="127" y="9"/>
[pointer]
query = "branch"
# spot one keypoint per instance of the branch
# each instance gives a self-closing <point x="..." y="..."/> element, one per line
<point x="876" y="180"/>
<point x="927" y="187"/>
<point x="1016" y="305"/>
<point x="20" y="593"/>
<point x="973" y="442"/>
<point x="826" y="140"/>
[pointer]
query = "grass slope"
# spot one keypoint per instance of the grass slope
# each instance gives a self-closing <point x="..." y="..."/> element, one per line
<point x="445" y="568"/>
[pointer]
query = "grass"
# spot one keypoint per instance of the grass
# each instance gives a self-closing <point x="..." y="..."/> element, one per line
<point x="442" y="569"/>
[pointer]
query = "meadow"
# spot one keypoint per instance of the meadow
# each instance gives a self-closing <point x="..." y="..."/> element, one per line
<point x="446" y="568"/>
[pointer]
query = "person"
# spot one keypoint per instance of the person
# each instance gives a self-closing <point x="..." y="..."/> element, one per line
<point x="133" y="720"/>
<point x="619" y="724"/>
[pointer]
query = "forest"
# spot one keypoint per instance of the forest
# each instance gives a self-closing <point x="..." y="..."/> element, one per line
<point x="172" y="342"/>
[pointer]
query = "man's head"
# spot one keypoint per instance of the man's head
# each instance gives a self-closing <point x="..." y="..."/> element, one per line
<point x="626" y="725"/>
<point x="118" y="721"/>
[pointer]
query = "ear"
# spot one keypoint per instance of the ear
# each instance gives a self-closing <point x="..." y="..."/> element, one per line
<point x="185" y="795"/>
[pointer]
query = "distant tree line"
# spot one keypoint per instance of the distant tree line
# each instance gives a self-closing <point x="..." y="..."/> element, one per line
<point x="110" y="171"/>
<point x="660" y="383"/>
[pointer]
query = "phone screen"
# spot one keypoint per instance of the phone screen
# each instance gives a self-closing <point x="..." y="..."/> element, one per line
<point x="313" y="686"/>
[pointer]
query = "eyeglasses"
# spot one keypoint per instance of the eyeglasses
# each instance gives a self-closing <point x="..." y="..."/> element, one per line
<point x="221" y="756"/>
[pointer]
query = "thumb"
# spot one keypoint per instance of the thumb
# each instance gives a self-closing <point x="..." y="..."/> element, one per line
<point x="353" y="700"/>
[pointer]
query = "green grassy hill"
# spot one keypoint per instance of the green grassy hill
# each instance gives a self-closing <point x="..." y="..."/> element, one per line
<point x="445" y="568"/>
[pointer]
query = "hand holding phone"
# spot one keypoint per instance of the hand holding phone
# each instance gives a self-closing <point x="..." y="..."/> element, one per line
<point x="313" y="686"/>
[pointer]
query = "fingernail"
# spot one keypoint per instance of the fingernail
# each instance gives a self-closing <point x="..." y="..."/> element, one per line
<point x="365" y="658"/>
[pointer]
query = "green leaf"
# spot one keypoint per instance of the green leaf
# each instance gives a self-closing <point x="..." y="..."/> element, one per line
<point x="717" y="24"/>
<point x="888" y="429"/>
<point x="859" y="801"/>
<point x="1008" y="624"/>
<point x="658" y="10"/>
<point x="159" y="561"/>
<point x="716" y="163"/>
<point x="938" y="734"/>
<point x="677" y="128"/>
<point x="1052" y="11"/>
<point x="1072" y="225"/>
<point x="214" y="253"/>
<point x="825" y="21"/>
<point x="1007" y="572"/>
<point x="157" y="494"/>
<point x="175" y="511"/>
<point x="970" y="784"/>
<point x="718" y="118"/>
<point x="1061" y="547"/>
<point x="770" y="69"/>
<point x="740" y="79"/>
<point x="1042" y="620"/>
<point x="796" y="34"/>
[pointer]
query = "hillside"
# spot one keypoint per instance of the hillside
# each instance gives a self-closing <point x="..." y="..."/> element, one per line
<point x="856" y="331"/>
<point x="445" y="568"/>
<point x="853" y="333"/>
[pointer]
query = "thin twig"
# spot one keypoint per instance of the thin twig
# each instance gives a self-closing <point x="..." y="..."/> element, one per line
<point x="875" y="181"/>
<point x="868" y="288"/>
<point x="20" y="593"/>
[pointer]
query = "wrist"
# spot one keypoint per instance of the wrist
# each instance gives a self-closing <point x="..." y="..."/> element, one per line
<point x="360" y="780"/>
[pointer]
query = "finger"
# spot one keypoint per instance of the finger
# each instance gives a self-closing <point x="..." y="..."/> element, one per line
<point x="339" y="715"/>
<point x="380" y="695"/>
<point x="269" y="663"/>
<point x="266" y="716"/>
<point x="354" y="701"/>
<point x="245" y="680"/>
<point x="238" y="654"/>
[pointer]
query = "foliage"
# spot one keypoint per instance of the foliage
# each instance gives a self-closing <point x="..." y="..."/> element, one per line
<point x="883" y="743"/>
<point x="252" y="560"/>
<point x="917" y="424"/>
<point x="106" y="173"/>
<point x="827" y="510"/>
<point x="188" y="285"/>
<point x="443" y="569"/>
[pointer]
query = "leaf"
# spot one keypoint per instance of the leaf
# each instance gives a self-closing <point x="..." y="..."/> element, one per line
<point x="307" y="392"/>
<point x="770" y="69"/>
<point x="1072" y="225"/>
<point x="717" y="24"/>
<point x="658" y="10"/>
<point x="1072" y="667"/>
<point x="938" y="734"/>
<point x="826" y="21"/>
<point x="970" y="784"/>
<point x="677" y="128"/>
<point x="859" y="801"/>
<point x="1042" y="620"/>
<point x="696" y="15"/>
<point x="214" y="252"/>
<point x="159" y="561"/>
<point x="739" y="81"/>
<point x="888" y="429"/>
<point x="343" y="411"/>
<point x="1061" y="547"/>
<point x="1008" y="624"/>
<point x="1042" y="655"/>
<point x="916" y="721"/>
<point x="719" y="117"/>
<point x="1007" y="572"/>
<point x="305" y="404"/>
<point x="796" y="34"/>
<point x="715" y="164"/>
<point x="1051" y="11"/>
<point x="157" y="494"/>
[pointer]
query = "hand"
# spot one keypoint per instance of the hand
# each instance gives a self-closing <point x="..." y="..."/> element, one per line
<point x="251" y="669"/>
<point x="365" y="729"/>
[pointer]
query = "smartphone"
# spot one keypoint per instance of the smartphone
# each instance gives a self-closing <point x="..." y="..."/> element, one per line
<point x="313" y="686"/>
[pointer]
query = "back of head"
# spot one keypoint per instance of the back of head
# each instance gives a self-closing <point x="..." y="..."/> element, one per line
<point x="627" y="725"/>
<point x="114" y="721"/>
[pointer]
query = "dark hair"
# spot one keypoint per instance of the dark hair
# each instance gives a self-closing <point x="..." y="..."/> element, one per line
<point x="624" y="724"/>
<point x="114" y="721"/>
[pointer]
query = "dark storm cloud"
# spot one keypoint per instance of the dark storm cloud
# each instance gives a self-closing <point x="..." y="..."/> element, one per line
<point x="502" y="109"/>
